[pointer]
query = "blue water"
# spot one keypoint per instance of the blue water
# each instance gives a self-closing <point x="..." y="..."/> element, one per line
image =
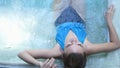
<point x="29" y="24"/>
<point x="96" y="25"/>
<point x="25" y="24"/>
<point x="98" y="33"/>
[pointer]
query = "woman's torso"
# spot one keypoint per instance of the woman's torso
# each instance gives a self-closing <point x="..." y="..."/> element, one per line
<point x="69" y="31"/>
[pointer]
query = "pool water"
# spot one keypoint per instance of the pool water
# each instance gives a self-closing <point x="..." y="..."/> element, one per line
<point x="25" y="25"/>
<point x="29" y="24"/>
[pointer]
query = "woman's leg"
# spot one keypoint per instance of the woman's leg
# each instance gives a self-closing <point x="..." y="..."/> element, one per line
<point x="79" y="6"/>
<point x="60" y="5"/>
<point x="68" y="15"/>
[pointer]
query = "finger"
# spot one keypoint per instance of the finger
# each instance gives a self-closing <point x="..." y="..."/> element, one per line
<point x="46" y="61"/>
<point x="113" y="9"/>
<point x="111" y="6"/>
<point x="110" y="9"/>
<point x="51" y="62"/>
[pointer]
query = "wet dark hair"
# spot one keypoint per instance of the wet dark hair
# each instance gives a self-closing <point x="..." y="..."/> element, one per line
<point x="74" y="60"/>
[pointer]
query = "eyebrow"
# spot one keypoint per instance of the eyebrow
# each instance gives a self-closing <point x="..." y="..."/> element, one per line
<point x="68" y="45"/>
<point x="80" y="45"/>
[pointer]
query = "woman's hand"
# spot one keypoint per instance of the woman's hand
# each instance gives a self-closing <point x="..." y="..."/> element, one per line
<point x="49" y="63"/>
<point x="109" y="14"/>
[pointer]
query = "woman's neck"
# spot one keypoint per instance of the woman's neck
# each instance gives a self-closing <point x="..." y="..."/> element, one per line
<point x="71" y="36"/>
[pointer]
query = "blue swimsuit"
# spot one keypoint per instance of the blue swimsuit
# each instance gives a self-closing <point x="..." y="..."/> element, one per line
<point x="63" y="29"/>
<point x="69" y="20"/>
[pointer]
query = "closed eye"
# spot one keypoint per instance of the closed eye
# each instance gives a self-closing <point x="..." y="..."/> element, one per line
<point x="68" y="45"/>
<point x="80" y="45"/>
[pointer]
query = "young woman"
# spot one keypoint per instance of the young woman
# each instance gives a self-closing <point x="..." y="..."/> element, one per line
<point x="72" y="43"/>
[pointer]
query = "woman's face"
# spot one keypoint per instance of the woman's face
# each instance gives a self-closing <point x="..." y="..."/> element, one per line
<point x="73" y="47"/>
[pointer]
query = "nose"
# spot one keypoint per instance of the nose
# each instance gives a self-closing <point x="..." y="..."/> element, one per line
<point x="73" y="41"/>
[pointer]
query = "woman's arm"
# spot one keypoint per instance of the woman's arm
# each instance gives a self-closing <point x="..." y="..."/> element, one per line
<point x="30" y="55"/>
<point x="114" y="40"/>
<point x="109" y="16"/>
